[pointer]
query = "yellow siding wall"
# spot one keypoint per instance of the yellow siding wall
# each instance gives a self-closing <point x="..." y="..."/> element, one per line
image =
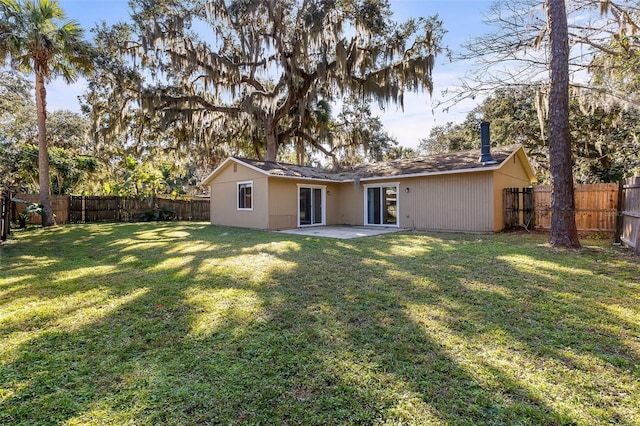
<point x="461" y="202"/>
<point x="351" y="204"/>
<point x="511" y="175"/>
<point x="468" y="202"/>
<point x="454" y="202"/>
<point x="283" y="200"/>
<point x="224" y="209"/>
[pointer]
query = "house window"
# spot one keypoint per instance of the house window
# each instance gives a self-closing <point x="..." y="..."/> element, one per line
<point x="245" y="195"/>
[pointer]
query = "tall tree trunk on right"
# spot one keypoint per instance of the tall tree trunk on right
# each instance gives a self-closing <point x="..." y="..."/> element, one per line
<point x="43" y="152"/>
<point x="564" y="232"/>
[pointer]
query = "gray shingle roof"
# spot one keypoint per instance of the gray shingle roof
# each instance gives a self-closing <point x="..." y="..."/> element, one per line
<point x="293" y="170"/>
<point x="453" y="161"/>
<point x="442" y="163"/>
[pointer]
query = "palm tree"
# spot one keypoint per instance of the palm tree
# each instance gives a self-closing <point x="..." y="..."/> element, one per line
<point x="36" y="39"/>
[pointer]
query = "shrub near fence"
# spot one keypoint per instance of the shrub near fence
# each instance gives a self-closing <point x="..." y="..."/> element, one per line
<point x="59" y="204"/>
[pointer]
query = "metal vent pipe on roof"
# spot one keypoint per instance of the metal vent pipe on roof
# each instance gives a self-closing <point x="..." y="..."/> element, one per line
<point x="485" y="152"/>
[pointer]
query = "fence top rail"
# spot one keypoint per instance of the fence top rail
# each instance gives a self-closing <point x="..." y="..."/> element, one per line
<point x="582" y="187"/>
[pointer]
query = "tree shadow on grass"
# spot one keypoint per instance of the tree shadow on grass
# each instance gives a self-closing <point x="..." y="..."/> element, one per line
<point x="311" y="331"/>
<point x="539" y="319"/>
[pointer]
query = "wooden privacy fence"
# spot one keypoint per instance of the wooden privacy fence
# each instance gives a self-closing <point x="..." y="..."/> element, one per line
<point x="596" y="207"/>
<point x="628" y="228"/>
<point x="606" y="207"/>
<point x="59" y="204"/>
<point x="91" y="209"/>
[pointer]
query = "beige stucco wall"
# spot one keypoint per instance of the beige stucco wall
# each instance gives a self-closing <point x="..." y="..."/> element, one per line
<point x="224" y="188"/>
<point x="511" y="175"/>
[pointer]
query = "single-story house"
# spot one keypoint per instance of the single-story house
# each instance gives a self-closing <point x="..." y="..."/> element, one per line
<point x="458" y="191"/>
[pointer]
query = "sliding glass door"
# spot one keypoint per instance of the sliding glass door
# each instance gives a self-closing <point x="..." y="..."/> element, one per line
<point x="311" y="206"/>
<point x="381" y="205"/>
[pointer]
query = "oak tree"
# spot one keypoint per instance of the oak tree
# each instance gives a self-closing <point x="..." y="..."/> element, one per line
<point x="251" y="69"/>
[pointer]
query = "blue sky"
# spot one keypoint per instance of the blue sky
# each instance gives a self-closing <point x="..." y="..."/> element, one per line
<point x="462" y="19"/>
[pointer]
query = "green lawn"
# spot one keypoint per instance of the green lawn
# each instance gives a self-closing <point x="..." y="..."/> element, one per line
<point x="186" y="323"/>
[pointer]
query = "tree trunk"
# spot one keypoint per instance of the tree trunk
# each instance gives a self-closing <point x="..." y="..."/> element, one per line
<point x="564" y="232"/>
<point x="43" y="152"/>
<point x="270" y="129"/>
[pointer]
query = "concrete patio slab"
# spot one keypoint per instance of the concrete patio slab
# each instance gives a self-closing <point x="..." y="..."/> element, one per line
<point x="341" y="232"/>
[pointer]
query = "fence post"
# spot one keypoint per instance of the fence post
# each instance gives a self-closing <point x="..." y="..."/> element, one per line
<point x="619" y="213"/>
<point x="5" y="213"/>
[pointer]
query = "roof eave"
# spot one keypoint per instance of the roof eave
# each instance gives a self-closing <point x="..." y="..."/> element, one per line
<point x="444" y="172"/>
<point x="518" y="151"/>
<point x="307" y="178"/>
<point x="527" y="165"/>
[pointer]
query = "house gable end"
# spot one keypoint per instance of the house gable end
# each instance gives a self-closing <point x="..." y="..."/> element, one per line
<point x="523" y="161"/>
<point x="227" y="163"/>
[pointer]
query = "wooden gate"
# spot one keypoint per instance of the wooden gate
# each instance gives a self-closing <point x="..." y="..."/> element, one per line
<point x="629" y="219"/>
<point x="518" y="208"/>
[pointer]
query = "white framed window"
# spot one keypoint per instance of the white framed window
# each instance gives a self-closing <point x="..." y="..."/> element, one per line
<point x="245" y="195"/>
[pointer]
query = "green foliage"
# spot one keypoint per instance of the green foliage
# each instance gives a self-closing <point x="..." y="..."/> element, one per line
<point x="17" y="122"/>
<point x="615" y="69"/>
<point x="139" y="179"/>
<point x="358" y="135"/>
<point x="36" y="39"/>
<point x="173" y="154"/>
<point x="25" y="216"/>
<point x="68" y="170"/>
<point x="176" y="323"/>
<point x="70" y="166"/>
<point x="69" y="130"/>
<point x="449" y="137"/>
<point x="514" y="53"/>
<point x="398" y="152"/>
